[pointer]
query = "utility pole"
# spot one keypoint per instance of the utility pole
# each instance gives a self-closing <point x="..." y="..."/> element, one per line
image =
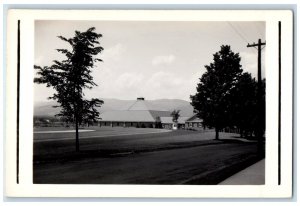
<point x="260" y="110"/>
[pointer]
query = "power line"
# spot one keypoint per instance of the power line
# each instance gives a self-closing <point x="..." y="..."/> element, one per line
<point x="260" y="28"/>
<point x="236" y="31"/>
<point x="239" y="34"/>
<point x="259" y="31"/>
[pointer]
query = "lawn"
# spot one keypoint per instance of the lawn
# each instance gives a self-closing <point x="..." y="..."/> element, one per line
<point x="110" y="141"/>
<point x="174" y="157"/>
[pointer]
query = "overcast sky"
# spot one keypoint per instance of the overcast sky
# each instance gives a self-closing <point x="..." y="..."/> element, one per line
<point x="155" y="60"/>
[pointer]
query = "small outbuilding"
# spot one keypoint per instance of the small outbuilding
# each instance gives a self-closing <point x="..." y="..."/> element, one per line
<point x="167" y="122"/>
<point x="194" y="122"/>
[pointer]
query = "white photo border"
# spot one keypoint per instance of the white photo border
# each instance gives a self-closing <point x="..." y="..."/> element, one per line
<point x="26" y="188"/>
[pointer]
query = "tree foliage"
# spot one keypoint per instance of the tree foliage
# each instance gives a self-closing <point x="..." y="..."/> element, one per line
<point x="245" y="110"/>
<point x="175" y="115"/>
<point x="227" y="97"/>
<point x="244" y="105"/>
<point x="212" y="99"/>
<point x="71" y="76"/>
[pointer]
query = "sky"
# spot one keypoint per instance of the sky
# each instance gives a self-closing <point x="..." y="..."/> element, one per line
<point x="154" y="60"/>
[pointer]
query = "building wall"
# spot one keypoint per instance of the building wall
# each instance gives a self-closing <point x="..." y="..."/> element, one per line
<point x="167" y="126"/>
<point x="127" y="124"/>
<point x="170" y="126"/>
<point x="197" y="125"/>
<point x="193" y="125"/>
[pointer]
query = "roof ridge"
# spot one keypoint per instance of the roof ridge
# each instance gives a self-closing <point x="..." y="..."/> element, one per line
<point x="132" y="105"/>
<point x="195" y="115"/>
<point x="140" y="102"/>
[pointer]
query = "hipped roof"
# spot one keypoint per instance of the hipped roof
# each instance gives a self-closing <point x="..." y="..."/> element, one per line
<point x="194" y="119"/>
<point x="138" y="112"/>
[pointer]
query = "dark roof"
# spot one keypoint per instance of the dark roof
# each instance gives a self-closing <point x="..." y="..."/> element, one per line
<point x="194" y="118"/>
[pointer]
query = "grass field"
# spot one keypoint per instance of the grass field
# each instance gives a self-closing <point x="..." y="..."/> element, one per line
<point x="139" y="156"/>
<point x="109" y="141"/>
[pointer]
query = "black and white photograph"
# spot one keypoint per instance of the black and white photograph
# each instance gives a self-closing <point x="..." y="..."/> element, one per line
<point x="151" y="104"/>
<point x="135" y="102"/>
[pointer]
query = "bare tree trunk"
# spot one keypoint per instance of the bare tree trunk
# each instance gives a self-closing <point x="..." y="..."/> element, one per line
<point x="76" y="117"/>
<point x="77" y="134"/>
<point x="217" y="133"/>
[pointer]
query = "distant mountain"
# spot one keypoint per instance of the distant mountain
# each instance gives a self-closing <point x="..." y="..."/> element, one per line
<point x="186" y="110"/>
<point x="45" y="109"/>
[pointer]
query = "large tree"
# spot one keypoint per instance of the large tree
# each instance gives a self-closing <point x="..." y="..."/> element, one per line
<point x="244" y="105"/>
<point x="212" y="99"/>
<point x="71" y="76"/>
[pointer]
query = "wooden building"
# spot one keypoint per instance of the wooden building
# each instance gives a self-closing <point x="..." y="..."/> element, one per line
<point x="139" y="114"/>
<point x="194" y="122"/>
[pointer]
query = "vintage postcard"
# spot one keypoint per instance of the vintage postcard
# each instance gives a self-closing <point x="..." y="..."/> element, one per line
<point x="149" y="103"/>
